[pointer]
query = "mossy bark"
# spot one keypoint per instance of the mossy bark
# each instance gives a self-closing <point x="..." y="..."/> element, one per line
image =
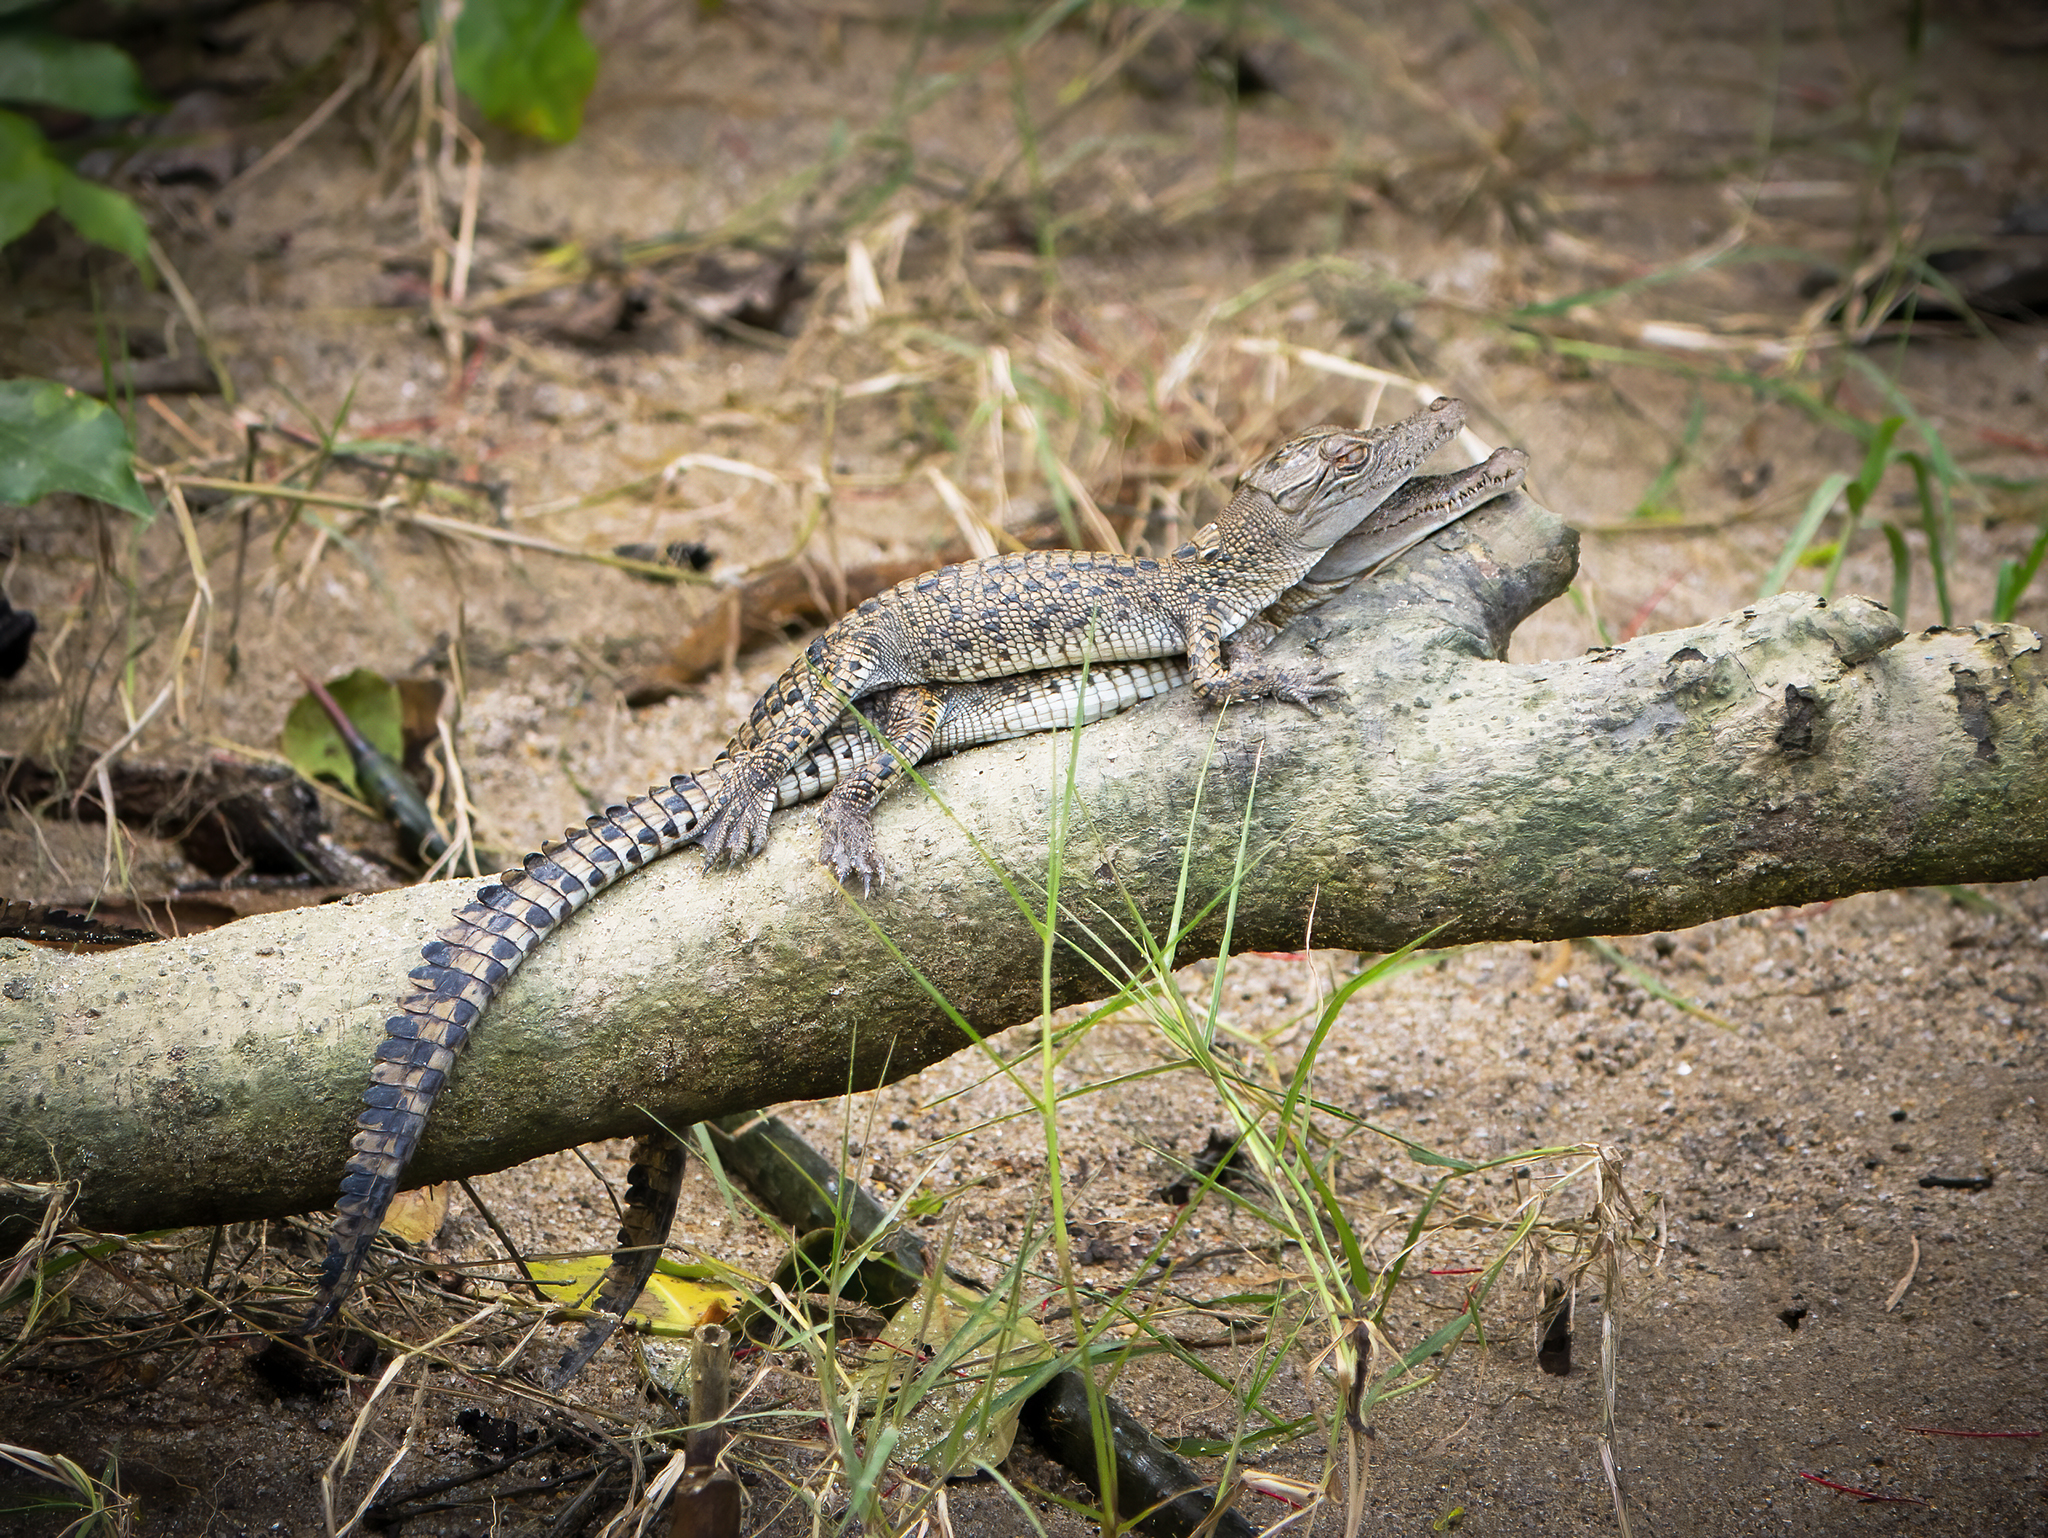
<point x="1795" y="751"/>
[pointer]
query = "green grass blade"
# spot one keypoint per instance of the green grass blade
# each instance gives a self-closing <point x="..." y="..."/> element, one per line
<point x="1817" y="508"/>
<point x="1933" y="495"/>
<point x="1392" y="1278"/>
<point x="1362" y="1277"/>
<point x="1939" y="459"/>
<point x="1385" y="966"/>
<point x="1764" y="386"/>
<point x="1607" y="950"/>
<point x="1592" y="298"/>
<point x="1902" y="570"/>
<point x="2015" y="577"/>
<point x="1877" y="457"/>
<point x="1237" y="875"/>
<point x="1592" y="615"/>
<point x="1652" y="503"/>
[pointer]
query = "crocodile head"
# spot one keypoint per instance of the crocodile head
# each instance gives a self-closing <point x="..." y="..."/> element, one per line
<point x="1328" y="480"/>
<point x="1416" y="511"/>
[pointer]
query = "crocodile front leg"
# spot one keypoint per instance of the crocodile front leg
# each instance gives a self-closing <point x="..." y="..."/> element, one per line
<point x="1223" y="676"/>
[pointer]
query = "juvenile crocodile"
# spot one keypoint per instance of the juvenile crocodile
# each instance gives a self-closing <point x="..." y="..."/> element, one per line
<point x="920" y="721"/>
<point x="1294" y="496"/>
<point x="1060" y="608"/>
<point x="857" y="761"/>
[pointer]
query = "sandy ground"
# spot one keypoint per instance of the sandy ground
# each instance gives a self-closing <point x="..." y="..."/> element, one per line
<point x="1493" y="160"/>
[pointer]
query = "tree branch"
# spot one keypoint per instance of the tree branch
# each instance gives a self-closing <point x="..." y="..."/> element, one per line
<point x="1789" y="753"/>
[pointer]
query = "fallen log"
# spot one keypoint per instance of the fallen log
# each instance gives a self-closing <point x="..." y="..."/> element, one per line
<point x="1794" y="751"/>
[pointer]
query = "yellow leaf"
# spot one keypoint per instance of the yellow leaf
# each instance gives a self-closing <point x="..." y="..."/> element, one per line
<point x="676" y="1301"/>
<point x="416" y="1216"/>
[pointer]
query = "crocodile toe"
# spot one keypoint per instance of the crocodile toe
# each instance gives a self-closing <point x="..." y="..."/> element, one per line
<point x="848" y="845"/>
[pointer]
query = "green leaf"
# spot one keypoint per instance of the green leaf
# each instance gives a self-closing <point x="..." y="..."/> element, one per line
<point x="527" y="64"/>
<point x="97" y="79"/>
<point x="33" y="181"/>
<point x="104" y="217"/>
<point x="938" y="1370"/>
<point x="54" y="439"/>
<point x="28" y="176"/>
<point x="313" y="743"/>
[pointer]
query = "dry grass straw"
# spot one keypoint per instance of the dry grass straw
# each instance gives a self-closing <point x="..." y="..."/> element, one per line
<point x="101" y="1507"/>
<point x="458" y="829"/>
<point x="344" y="1457"/>
<point x="358" y="77"/>
<point x="25" y="1271"/>
<point x="438" y="135"/>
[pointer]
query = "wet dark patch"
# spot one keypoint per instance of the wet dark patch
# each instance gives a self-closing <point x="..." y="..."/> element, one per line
<point x="290" y="1371"/>
<point x="1803" y="732"/>
<point x="1973" y="711"/>
<point x="17" y="629"/>
<point x="1220" y="1157"/>
<point x="499" y="1436"/>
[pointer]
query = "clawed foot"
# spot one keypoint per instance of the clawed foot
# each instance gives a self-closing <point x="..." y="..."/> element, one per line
<point x="736" y="827"/>
<point x="849" y="844"/>
<point x="1256" y="681"/>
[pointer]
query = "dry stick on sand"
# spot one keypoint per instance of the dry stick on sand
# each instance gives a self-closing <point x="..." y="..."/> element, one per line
<point x="435" y="523"/>
<point x="1791" y="752"/>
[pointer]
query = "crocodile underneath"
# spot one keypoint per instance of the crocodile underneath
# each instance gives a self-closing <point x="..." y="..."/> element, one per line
<point x="1287" y="526"/>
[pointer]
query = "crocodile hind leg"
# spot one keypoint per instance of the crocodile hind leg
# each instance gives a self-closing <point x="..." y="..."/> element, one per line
<point x="653" y="1186"/>
<point x="798" y="709"/>
<point x="905" y="719"/>
<point x="915" y="722"/>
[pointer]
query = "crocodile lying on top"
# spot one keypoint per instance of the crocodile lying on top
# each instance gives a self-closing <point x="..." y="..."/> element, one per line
<point x="936" y="661"/>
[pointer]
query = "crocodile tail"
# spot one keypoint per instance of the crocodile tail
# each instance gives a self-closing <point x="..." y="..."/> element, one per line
<point x="462" y="969"/>
<point x="653" y="1187"/>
